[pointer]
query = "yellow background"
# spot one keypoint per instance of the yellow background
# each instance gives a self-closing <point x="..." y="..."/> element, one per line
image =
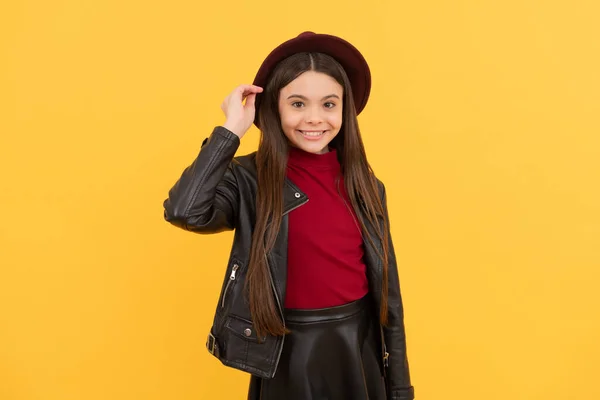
<point x="483" y="123"/>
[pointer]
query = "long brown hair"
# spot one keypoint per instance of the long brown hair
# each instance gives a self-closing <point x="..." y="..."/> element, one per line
<point x="271" y="159"/>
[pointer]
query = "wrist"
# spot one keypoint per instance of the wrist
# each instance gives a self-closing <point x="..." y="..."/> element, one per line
<point x="234" y="128"/>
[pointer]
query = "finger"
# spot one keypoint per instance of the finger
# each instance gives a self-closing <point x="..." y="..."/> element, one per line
<point x="245" y="96"/>
<point x="246" y="89"/>
<point x="251" y="99"/>
<point x="240" y="93"/>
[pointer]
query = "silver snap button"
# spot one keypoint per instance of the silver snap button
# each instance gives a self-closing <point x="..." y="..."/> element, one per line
<point x="247" y="332"/>
<point x="297" y="195"/>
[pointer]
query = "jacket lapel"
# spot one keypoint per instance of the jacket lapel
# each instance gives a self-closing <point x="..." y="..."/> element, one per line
<point x="277" y="258"/>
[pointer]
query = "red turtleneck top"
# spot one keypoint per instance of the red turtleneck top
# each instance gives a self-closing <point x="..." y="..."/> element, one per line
<point x="325" y="247"/>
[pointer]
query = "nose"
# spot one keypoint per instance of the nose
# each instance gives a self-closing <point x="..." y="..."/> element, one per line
<point x="313" y="116"/>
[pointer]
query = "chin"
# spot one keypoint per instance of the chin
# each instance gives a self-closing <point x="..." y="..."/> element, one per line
<point x="316" y="148"/>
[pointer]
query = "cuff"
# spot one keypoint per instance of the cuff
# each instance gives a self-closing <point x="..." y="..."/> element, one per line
<point x="402" y="394"/>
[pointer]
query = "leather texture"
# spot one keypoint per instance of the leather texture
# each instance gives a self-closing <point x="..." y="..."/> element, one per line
<point x="216" y="193"/>
<point x="330" y="354"/>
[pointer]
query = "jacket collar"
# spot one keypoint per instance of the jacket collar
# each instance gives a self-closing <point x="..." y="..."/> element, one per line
<point x="292" y="197"/>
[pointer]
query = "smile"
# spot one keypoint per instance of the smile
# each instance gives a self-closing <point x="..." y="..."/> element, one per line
<point x="312" y="134"/>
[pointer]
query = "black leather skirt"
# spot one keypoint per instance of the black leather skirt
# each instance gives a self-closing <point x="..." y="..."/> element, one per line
<point x="331" y="354"/>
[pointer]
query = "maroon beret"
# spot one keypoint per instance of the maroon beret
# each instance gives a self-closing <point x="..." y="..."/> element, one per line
<point x="346" y="54"/>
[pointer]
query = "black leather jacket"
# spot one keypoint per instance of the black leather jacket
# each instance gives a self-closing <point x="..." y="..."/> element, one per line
<point x="217" y="192"/>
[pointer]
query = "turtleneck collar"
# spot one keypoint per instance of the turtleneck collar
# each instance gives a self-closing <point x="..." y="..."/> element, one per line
<point x="305" y="159"/>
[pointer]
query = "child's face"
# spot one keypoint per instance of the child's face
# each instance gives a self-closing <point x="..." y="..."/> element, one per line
<point x="311" y="111"/>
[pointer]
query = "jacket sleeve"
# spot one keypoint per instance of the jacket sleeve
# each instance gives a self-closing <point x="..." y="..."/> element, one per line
<point x="398" y="375"/>
<point x="205" y="198"/>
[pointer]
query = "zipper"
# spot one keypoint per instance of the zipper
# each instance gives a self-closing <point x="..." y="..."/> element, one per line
<point x="385" y="355"/>
<point x="280" y="312"/>
<point x="229" y="282"/>
<point x="277" y="296"/>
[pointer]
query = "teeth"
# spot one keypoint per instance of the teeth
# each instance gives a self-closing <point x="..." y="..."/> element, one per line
<point x="312" y="133"/>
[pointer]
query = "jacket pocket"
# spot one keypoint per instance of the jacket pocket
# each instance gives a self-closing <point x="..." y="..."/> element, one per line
<point x="242" y="328"/>
<point x="241" y="346"/>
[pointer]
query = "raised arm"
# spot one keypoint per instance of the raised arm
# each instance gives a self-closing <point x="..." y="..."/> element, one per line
<point x="205" y="198"/>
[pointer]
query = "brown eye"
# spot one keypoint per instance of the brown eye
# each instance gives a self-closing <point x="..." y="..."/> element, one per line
<point x="329" y="105"/>
<point x="297" y="104"/>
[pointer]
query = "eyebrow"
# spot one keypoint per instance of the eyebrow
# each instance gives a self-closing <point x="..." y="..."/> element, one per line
<point x="329" y="96"/>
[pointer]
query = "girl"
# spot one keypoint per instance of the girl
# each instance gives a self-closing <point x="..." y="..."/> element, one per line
<point x="311" y="304"/>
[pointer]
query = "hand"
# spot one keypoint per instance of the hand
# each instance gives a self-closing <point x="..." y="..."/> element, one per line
<point x="240" y="116"/>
